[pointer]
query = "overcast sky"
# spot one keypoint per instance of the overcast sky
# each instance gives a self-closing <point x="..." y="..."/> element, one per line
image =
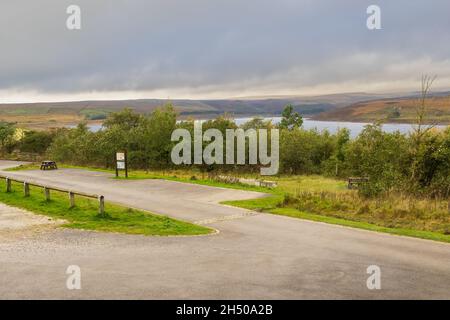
<point x="218" y="48"/>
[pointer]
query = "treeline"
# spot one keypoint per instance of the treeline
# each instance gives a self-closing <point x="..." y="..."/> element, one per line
<point x="416" y="163"/>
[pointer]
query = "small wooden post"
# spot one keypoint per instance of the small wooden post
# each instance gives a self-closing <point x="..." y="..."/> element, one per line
<point x="71" y="199"/>
<point x="101" y="205"/>
<point x="126" y="164"/>
<point x="8" y="185"/>
<point x="26" y="189"/>
<point x="47" y="193"/>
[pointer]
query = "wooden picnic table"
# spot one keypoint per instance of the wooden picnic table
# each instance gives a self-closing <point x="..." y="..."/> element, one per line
<point x="48" y="165"/>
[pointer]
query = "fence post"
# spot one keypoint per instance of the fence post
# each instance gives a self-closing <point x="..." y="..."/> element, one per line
<point x="47" y="193"/>
<point x="72" y="199"/>
<point x="101" y="205"/>
<point x="8" y="185"/>
<point x="26" y="189"/>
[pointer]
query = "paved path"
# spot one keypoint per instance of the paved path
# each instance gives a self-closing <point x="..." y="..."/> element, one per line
<point x="253" y="256"/>
<point x="180" y="200"/>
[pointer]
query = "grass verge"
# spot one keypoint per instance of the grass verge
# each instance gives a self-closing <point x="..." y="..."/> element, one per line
<point x="270" y="205"/>
<point x="429" y="235"/>
<point x="85" y="214"/>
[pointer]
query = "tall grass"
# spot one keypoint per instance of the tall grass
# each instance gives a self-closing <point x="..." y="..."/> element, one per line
<point x="390" y="210"/>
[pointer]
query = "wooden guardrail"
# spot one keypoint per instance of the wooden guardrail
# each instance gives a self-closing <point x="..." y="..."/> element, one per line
<point x="26" y="192"/>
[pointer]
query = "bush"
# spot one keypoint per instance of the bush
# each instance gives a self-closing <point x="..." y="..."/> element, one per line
<point x="36" y="141"/>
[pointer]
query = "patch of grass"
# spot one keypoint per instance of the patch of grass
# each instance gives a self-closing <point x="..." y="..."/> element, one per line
<point x="26" y="111"/>
<point x="292" y="184"/>
<point x="85" y="214"/>
<point x="265" y="204"/>
<point x="30" y="166"/>
<point x="290" y="212"/>
<point x="328" y="200"/>
<point x="392" y="211"/>
<point x="406" y="223"/>
<point x="271" y="205"/>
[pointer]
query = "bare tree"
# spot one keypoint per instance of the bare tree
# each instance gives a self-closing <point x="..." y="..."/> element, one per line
<point x="421" y="126"/>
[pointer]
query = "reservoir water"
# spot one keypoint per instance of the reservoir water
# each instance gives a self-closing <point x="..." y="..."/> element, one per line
<point x="332" y="126"/>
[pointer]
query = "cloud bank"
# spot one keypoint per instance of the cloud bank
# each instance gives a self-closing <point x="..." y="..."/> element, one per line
<point x="203" y="48"/>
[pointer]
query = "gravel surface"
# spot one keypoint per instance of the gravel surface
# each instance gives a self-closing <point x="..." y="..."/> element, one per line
<point x="15" y="222"/>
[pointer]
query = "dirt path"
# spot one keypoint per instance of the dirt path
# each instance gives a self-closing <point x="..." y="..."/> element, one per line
<point x="18" y="223"/>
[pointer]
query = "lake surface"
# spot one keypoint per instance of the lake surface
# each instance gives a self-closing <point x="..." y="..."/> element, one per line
<point x="332" y="126"/>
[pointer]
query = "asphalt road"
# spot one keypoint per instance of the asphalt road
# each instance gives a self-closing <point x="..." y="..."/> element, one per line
<point x="254" y="256"/>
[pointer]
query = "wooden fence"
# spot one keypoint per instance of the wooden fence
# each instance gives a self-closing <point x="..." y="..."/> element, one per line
<point x="71" y="194"/>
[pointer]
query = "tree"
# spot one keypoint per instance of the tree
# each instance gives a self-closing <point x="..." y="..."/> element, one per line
<point x="126" y="119"/>
<point x="420" y="130"/>
<point x="305" y="151"/>
<point x="7" y="131"/>
<point x="382" y="157"/>
<point x="342" y="138"/>
<point x="36" y="141"/>
<point x="153" y="137"/>
<point x="290" y="119"/>
<point x="257" y="123"/>
<point x="422" y="107"/>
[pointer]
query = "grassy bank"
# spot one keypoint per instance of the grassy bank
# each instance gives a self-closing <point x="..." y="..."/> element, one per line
<point x="270" y="205"/>
<point x="320" y="199"/>
<point x="85" y="214"/>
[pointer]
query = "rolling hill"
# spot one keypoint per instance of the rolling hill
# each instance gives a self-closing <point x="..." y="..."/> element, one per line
<point x="400" y="110"/>
<point x="57" y="114"/>
<point x="334" y="107"/>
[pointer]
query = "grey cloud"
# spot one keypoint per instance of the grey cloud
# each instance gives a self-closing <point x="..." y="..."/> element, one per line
<point x="218" y="45"/>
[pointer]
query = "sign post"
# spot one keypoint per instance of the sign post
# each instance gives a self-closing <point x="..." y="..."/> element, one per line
<point x="121" y="162"/>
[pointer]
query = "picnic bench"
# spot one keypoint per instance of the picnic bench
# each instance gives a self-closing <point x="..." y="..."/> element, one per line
<point x="355" y="182"/>
<point x="48" y="165"/>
